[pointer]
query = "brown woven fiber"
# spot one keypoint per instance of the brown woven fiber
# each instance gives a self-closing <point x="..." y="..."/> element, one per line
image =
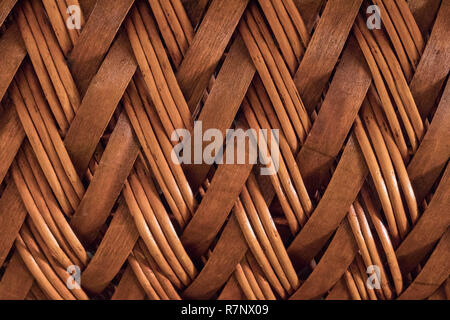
<point x="93" y="205"/>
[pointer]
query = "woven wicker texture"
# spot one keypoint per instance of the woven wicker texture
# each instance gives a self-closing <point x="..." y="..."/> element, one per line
<point x="87" y="180"/>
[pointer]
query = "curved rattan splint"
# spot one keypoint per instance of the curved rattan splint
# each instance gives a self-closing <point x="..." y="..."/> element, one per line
<point x="88" y="187"/>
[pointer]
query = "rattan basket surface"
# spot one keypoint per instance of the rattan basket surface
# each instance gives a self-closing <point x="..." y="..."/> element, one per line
<point x="92" y="206"/>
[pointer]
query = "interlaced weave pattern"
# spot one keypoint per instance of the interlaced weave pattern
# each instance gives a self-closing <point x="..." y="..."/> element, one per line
<point x="88" y="187"/>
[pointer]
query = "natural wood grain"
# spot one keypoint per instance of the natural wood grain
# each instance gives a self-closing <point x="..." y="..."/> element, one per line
<point x="206" y="49"/>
